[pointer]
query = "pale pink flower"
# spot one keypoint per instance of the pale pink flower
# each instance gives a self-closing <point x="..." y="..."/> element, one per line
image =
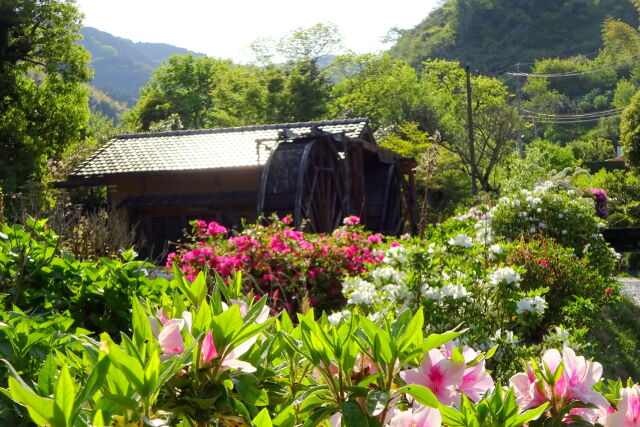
<point x="527" y="390"/>
<point x="419" y="416"/>
<point x="476" y="382"/>
<point x="231" y="359"/>
<point x="628" y="414"/>
<point x="439" y="374"/>
<point x="581" y="376"/>
<point x="575" y="384"/>
<point x="170" y="338"/>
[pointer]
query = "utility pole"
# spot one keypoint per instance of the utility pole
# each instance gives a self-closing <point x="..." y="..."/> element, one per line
<point x="472" y="148"/>
<point x="519" y="136"/>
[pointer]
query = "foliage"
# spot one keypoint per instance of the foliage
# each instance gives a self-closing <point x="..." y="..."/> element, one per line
<point x="543" y="161"/>
<point x="566" y="278"/>
<point x="623" y="191"/>
<point x="393" y="94"/>
<point x="593" y="149"/>
<point x="34" y="273"/>
<point x="204" y="356"/>
<point x="630" y="132"/>
<point x="492" y="35"/>
<point x="206" y="92"/>
<point x="310" y="44"/>
<point x="294" y="269"/>
<point x="42" y="69"/>
<point x="553" y="209"/>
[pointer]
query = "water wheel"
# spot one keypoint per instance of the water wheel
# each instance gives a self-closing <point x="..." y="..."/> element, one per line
<point x="305" y="178"/>
<point x="385" y="206"/>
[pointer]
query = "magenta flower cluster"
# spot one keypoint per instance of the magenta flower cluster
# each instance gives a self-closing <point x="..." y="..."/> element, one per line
<point x="282" y="262"/>
<point x="600" y="197"/>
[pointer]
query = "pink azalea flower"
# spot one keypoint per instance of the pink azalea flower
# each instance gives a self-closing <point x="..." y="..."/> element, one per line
<point x="439" y="374"/>
<point x="575" y="384"/>
<point x="374" y="238"/>
<point x="419" y="416"/>
<point x="581" y="376"/>
<point x="170" y="338"/>
<point x="628" y="414"/>
<point x="526" y="390"/>
<point x="364" y="364"/>
<point x="351" y="220"/>
<point x="208" y="348"/>
<point x="475" y="380"/>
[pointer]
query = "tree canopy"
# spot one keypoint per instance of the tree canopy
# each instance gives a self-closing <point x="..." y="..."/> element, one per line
<point x="43" y="103"/>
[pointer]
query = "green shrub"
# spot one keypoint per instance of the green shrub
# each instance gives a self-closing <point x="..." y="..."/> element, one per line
<point x="36" y="275"/>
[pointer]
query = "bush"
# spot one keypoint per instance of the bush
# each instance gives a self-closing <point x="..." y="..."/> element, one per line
<point x="217" y="359"/>
<point x="36" y="274"/>
<point x="294" y="269"/>
<point x="630" y="132"/>
<point x="556" y="210"/>
<point x="623" y="191"/>
<point x="566" y="277"/>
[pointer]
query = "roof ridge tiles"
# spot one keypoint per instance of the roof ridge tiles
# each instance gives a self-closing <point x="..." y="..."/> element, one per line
<point x="242" y="128"/>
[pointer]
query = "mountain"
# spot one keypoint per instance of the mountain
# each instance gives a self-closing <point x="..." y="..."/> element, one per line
<point x="122" y="66"/>
<point x="492" y="35"/>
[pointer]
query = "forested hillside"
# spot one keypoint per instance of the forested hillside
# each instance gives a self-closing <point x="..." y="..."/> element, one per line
<point x="121" y="66"/>
<point x="494" y="34"/>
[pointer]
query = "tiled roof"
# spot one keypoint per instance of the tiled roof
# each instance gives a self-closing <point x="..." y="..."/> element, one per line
<point x="200" y="149"/>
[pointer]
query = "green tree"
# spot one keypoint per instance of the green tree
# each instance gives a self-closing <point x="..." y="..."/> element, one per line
<point x="496" y="120"/>
<point x="202" y="92"/>
<point x="43" y="103"/>
<point x="630" y="132"/>
<point x="385" y="90"/>
<point x="310" y="44"/>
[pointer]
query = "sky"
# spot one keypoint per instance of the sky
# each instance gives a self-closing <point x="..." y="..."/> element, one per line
<point x="225" y="29"/>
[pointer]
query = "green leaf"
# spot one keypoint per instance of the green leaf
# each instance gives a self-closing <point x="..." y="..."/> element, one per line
<point x="41" y="409"/>
<point x="202" y="321"/>
<point x="248" y="387"/>
<point x="93" y="384"/>
<point x="319" y="415"/>
<point x="46" y="375"/>
<point x="262" y="419"/>
<point x="352" y="415"/>
<point x="65" y="394"/>
<point x="141" y="327"/>
<point x="199" y="289"/>
<point x="436" y="340"/>
<point x="413" y="333"/>
<point x="529" y="415"/>
<point x="285" y="418"/>
<point x="128" y="365"/>
<point x="421" y="394"/>
<point x="376" y="402"/>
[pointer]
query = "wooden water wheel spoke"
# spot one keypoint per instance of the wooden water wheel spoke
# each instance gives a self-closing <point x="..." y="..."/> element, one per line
<point x="305" y="178"/>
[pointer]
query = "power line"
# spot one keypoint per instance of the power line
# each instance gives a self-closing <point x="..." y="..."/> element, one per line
<point x="592" y="114"/>
<point x="570" y="121"/>
<point x="574" y="73"/>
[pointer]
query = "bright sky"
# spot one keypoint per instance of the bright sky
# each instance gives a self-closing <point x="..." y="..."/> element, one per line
<point x="226" y="28"/>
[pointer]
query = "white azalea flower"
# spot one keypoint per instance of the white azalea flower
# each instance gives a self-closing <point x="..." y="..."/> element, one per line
<point x="461" y="240"/>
